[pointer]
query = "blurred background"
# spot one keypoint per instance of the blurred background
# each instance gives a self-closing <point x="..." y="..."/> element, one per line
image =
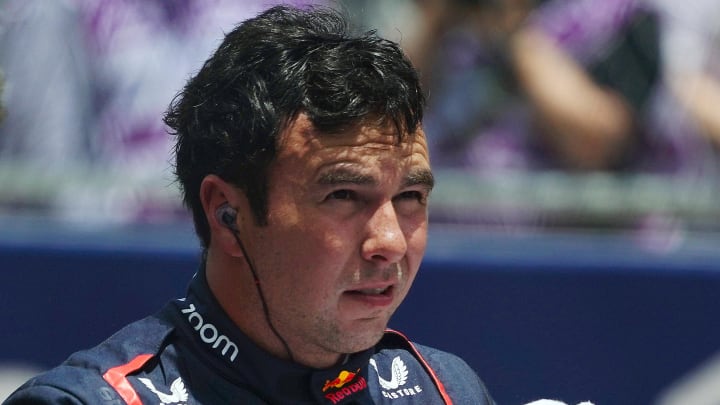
<point x="575" y="223"/>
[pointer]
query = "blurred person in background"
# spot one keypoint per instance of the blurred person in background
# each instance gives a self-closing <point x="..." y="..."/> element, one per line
<point x="524" y="85"/>
<point x="589" y="69"/>
<point x="657" y="59"/>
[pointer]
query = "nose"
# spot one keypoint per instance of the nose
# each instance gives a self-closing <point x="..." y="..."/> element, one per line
<point x="385" y="242"/>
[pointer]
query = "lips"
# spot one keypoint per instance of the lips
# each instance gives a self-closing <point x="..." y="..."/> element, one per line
<point x="372" y="291"/>
<point x="375" y="296"/>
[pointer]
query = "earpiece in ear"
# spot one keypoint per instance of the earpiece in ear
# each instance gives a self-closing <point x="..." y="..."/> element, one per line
<point x="227" y="215"/>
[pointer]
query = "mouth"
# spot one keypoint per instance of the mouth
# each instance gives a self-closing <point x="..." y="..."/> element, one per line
<point x="378" y="291"/>
<point x="375" y="297"/>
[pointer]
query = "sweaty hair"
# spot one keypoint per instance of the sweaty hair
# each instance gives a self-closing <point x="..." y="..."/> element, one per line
<point x="267" y="71"/>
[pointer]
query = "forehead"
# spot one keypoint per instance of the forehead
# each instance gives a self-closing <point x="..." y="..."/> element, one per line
<point x="301" y="140"/>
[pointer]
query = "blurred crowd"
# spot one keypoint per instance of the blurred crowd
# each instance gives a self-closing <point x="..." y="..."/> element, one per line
<point x="576" y="85"/>
<point x="515" y="86"/>
<point x="86" y="86"/>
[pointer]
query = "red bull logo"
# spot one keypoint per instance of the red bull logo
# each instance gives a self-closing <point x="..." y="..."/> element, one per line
<point x="346" y="384"/>
<point x="343" y="378"/>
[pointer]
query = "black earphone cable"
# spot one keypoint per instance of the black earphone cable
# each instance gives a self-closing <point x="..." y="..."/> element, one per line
<point x="266" y="311"/>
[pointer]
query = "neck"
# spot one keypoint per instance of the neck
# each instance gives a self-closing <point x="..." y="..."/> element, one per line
<point x="233" y="286"/>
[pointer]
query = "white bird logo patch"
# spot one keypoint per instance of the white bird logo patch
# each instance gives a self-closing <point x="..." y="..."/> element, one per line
<point x="178" y="393"/>
<point x="399" y="374"/>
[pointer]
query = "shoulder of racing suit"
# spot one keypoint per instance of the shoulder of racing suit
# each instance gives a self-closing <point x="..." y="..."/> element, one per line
<point x="399" y="372"/>
<point x="456" y="381"/>
<point x="97" y="375"/>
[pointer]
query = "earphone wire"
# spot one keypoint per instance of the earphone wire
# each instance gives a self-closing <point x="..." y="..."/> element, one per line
<point x="256" y="280"/>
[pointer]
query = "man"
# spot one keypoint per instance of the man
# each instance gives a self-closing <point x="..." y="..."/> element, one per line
<point x="301" y="155"/>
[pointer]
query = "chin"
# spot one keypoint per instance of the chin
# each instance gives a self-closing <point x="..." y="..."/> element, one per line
<point x="364" y="339"/>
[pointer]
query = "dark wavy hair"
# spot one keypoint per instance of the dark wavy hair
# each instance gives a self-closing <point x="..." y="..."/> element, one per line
<point x="269" y="69"/>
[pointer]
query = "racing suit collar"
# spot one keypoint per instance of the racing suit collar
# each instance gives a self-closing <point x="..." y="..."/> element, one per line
<point x="235" y="357"/>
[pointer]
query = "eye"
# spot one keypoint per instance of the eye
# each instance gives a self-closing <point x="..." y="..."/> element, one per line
<point x="342" y="194"/>
<point x="412" y="195"/>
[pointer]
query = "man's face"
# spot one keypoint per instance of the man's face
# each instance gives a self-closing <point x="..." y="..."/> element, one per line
<point x="347" y="229"/>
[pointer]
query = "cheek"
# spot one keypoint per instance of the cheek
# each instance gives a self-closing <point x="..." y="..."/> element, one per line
<point x="415" y="230"/>
<point x="314" y="253"/>
<point x="332" y="238"/>
<point x="416" y="242"/>
<point x="321" y="263"/>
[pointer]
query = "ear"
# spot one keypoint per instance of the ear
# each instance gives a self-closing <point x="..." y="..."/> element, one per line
<point x="215" y="193"/>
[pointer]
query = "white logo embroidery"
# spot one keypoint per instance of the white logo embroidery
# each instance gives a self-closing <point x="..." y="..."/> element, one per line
<point x="178" y="393"/>
<point x="399" y="374"/>
<point x="209" y="333"/>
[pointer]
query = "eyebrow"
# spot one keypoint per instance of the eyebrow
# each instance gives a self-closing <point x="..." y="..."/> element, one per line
<point x="343" y="176"/>
<point x="423" y="177"/>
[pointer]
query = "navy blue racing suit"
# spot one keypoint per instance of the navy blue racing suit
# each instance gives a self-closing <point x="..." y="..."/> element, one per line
<point x="190" y="352"/>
